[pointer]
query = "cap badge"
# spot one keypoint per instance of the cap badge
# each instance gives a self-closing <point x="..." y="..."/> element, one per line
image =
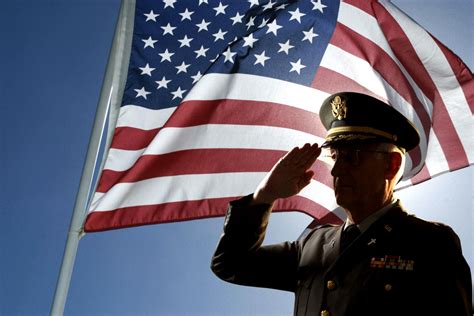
<point x="339" y="108"/>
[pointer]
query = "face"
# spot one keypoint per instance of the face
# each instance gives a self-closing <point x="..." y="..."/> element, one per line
<point x="358" y="176"/>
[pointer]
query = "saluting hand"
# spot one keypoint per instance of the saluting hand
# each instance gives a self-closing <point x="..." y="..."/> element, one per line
<point x="288" y="176"/>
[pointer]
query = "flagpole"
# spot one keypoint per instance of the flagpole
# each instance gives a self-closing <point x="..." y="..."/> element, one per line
<point x="109" y="102"/>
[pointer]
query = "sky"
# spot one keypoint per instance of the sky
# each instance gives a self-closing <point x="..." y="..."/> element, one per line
<point x="53" y="55"/>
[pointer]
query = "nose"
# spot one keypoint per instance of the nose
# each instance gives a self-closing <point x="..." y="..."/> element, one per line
<point x="338" y="167"/>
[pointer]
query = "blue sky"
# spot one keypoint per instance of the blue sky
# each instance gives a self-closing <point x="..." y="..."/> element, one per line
<point x="52" y="61"/>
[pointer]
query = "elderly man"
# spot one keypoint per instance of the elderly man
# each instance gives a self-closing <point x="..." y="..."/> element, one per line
<point x="381" y="261"/>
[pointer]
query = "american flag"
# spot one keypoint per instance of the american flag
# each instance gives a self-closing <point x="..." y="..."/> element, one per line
<point x="218" y="90"/>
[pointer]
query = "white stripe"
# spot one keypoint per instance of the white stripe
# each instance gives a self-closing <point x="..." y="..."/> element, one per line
<point x="443" y="77"/>
<point x="230" y="86"/>
<point x="143" y="118"/>
<point x="212" y="136"/>
<point x="192" y="187"/>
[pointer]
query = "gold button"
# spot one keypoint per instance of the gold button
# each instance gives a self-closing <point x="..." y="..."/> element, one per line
<point x="331" y="285"/>
<point x="324" y="313"/>
<point x="388" y="287"/>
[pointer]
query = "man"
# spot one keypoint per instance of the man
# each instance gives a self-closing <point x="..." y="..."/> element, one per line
<point x="381" y="261"/>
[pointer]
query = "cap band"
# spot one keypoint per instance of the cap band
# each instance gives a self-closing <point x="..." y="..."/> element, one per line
<point x="361" y="129"/>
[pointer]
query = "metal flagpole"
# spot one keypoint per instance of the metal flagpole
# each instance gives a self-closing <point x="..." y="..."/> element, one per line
<point x="109" y="103"/>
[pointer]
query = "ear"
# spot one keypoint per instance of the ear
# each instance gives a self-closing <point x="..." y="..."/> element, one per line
<point x="394" y="163"/>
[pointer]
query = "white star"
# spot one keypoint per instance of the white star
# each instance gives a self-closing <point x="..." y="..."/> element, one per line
<point x="249" y="40"/>
<point x="203" y="1"/>
<point x="285" y="47"/>
<point x="251" y="22"/>
<point x="237" y="18"/>
<point x="146" y="70"/>
<point x="178" y="93"/>
<point x="168" y="29"/>
<point x="151" y="16"/>
<point x="201" y="52"/>
<point x="196" y="77"/>
<point x="203" y="25"/>
<point x="220" y="9"/>
<point x="253" y="2"/>
<point x="149" y="42"/>
<point x="264" y="22"/>
<point x="261" y="58"/>
<point x="297" y="66"/>
<point x="296" y="15"/>
<point x="163" y="83"/>
<point x="309" y="35"/>
<point x="281" y="6"/>
<point x="141" y="92"/>
<point x="318" y="5"/>
<point x="269" y="5"/>
<point x="185" y="41"/>
<point x="213" y="60"/>
<point x="166" y="56"/>
<point x="169" y="3"/>
<point x="228" y="55"/>
<point x="182" y="68"/>
<point x="186" y="15"/>
<point x="273" y="27"/>
<point x="219" y="35"/>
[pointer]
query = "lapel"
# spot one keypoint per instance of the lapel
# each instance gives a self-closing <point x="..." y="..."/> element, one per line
<point x="331" y="247"/>
<point x="377" y="238"/>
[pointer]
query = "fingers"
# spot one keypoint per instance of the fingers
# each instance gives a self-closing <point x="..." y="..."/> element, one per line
<point x="303" y="157"/>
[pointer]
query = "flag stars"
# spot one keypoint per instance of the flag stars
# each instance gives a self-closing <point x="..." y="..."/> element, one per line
<point x="237" y="18"/>
<point x="219" y="35"/>
<point x="273" y="27"/>
<point x="260" y="59"/>
<point x="169" y="3"/>
<point x="182" y="68"/>
<point x="203" y="25"/>
<point x="220" y="9"/>
<point x="196" y="77"/>
<point x="228" y="55"/>
<point x="309" y="35"/>
<point x="249" y="40"/>
<point x="185" y="41"/>
<point x="146" y="70"/>
<point x="163" y="83"/>
<point x="297" y="66"/>
<point x="186" y="15"/>
<point x="250" y="23"/>
<point x="203" y="1"/>
<point x="318" y="5"/>
<point x="269" y="5"/>
<point x="253" y="2"/>
<point x="178" y="93"/>
<point x="151" y="16"/>
<point x="168" y="29"/>
<point x="296" y="15"/>
<point x="149" y="42"/>
<point x="166" y="55"/>
<point x="285" y="47"/>
<point x="141" y="92"/>
<point x="201" y="52"/>
<point x="264" y="22"/>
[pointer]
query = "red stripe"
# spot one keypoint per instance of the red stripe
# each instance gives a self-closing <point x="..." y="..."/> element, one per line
<point x="190" y="210"/>
<point x="238" y="112"/>
<point x="443" y="127"/>
<point x="331" y="82"/>
<point x="202" y="161"/>
<point x="462" y="72"/>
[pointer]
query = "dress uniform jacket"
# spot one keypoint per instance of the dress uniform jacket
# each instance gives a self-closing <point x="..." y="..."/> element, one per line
<point x="400" y="265"/>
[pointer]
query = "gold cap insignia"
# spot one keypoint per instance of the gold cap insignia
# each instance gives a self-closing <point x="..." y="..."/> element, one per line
<point x="339" y="108"/>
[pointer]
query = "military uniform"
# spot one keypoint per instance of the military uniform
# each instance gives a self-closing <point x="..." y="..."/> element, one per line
<point x="400" y="265"/>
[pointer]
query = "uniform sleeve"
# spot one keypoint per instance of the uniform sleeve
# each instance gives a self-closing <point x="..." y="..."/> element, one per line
<point x="240" y="257"/>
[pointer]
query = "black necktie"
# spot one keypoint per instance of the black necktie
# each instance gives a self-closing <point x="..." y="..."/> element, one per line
<point x="348" y="235"/>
